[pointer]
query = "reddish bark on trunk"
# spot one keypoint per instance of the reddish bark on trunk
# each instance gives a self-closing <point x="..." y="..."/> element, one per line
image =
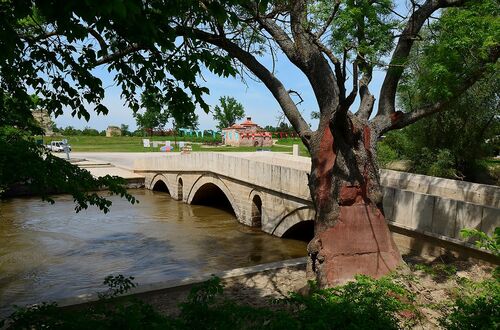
<point x="351" y="235"/>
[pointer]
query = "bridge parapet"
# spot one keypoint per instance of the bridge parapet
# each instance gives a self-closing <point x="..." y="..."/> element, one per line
<point x="273" y="174"/>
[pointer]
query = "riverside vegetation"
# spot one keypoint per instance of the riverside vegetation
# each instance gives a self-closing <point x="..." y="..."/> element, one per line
<point x="387" y="303"/>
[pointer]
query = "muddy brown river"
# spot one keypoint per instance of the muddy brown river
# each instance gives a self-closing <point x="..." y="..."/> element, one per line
<point x="49" y="252"/>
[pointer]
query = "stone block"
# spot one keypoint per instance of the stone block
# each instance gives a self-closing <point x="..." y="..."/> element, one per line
<point x="276" y="177"/>
<point x="388" y="202"/>
<point x="258" y="178"/>
<point x="422" y="210"/>
<point x="468" y="216"/>
<point x="444" y="216"/>
<point x="237" y="168"/>
<point x="245" y="169"/>
<point x="285" y="179"/>
<point x="403" y="207"/>
<point x="491" y="220"/>
<point x="303" y="186"/>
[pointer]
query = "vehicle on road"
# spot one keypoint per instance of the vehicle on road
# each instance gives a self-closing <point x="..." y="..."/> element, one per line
<point x="57" y="146"/>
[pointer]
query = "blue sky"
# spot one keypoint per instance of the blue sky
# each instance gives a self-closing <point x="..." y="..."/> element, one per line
<point x="256" y="99"/>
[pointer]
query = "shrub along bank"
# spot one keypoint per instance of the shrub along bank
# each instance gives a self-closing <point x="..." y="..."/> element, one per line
<point x="402" y="300"/>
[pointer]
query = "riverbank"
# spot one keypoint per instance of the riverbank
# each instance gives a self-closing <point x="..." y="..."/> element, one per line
<point x="434" y="282"/>
<point x="424" y="293"/>
<point x="255" y="286"/>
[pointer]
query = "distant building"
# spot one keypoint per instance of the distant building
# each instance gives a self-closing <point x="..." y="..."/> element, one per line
<point x="43" y="119"/>
<point x="247" y="134"/>
<point x="113" y="131"/>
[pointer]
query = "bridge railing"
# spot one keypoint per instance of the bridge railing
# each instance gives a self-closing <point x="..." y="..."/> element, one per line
<point x="276" y="177"/>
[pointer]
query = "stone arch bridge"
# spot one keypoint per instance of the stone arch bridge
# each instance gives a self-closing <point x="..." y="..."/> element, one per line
<point x="261" y="192"/>
<point x="270" y="191"/>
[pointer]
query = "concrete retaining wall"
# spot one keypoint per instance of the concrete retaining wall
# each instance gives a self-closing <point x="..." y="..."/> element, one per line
<point x="437" y="215"/>
<point x="480" y="194"/>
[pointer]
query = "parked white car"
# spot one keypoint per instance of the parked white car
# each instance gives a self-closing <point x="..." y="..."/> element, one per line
<point x="57" y="146"/>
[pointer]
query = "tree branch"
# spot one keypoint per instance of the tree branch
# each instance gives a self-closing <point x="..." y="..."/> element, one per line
<point x="279" y="35"/>
<point x="387" y="100"/>
<point x="340" y="77"/>
<point x="306" y="55"/>
<point x="367" y="99"/>
<point x="100" y="40"/>
<point x="298" y="20"/>
<point x="272" y="83"/>
<point x="352" y="95"/>
<point x="124" y="52"/>
<point x="399" y="119"/>
<point x="329" y="20"/>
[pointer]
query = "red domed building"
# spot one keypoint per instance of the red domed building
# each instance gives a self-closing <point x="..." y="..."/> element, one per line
<point x="247" y="134"/>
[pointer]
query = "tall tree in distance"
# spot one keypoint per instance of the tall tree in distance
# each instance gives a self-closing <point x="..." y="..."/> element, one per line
<point x="229" y="111"/>
<point x="155" y="115"/>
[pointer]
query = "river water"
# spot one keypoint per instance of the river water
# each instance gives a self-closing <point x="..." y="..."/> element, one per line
<point x="48" y="252"/>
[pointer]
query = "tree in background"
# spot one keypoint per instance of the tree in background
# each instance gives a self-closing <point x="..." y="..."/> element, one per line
<point x="229" y="112"/>
<point x="185" y="119"/>
<point x="158" y="110"/>
<point x="90" y="131"/>
<point x="452" y="143"/>
<point x="156" y="113"/>
<point x="161" y="47"/>
<point x="70" y="131"/>
<point x="125" y="130"/>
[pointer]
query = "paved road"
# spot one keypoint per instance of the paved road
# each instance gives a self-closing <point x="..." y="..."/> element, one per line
<point x="120" y="159"/>
<point x="126" y="159"/>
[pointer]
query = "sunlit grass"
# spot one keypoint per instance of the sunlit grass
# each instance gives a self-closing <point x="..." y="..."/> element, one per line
<point x="134" y="144"/>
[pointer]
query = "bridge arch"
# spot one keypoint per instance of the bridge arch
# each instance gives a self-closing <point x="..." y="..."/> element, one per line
<point x="298" y="224"/>
<point x="256" y="211"/>
<point x="207" y="187"/>
<point x="302" y="231"/>
<point x="161" y="183"/>
<point x="180" y="188"/>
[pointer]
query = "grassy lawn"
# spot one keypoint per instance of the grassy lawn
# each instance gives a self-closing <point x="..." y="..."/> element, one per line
<point x="134" y="144"/>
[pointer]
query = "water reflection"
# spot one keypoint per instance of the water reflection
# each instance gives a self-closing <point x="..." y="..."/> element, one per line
<point x="49" y="252"/>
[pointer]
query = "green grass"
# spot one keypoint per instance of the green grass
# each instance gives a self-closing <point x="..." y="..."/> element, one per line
<point x="134" y="144"/>
<point x="291" y="141"/>
<point x="492" y="162"/>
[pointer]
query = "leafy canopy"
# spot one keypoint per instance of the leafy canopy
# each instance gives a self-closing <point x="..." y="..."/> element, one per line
<point x="451" y="143"/>
<point x="156" y="114"/>
<point x="453" y="47"/>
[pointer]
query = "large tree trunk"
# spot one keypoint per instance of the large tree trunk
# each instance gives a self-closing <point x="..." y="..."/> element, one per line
<point x="351" y="235"/>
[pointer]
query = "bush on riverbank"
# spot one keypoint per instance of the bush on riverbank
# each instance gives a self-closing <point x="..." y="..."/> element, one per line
<point x="365" y="303"/>
<point x="387" y="303"/>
